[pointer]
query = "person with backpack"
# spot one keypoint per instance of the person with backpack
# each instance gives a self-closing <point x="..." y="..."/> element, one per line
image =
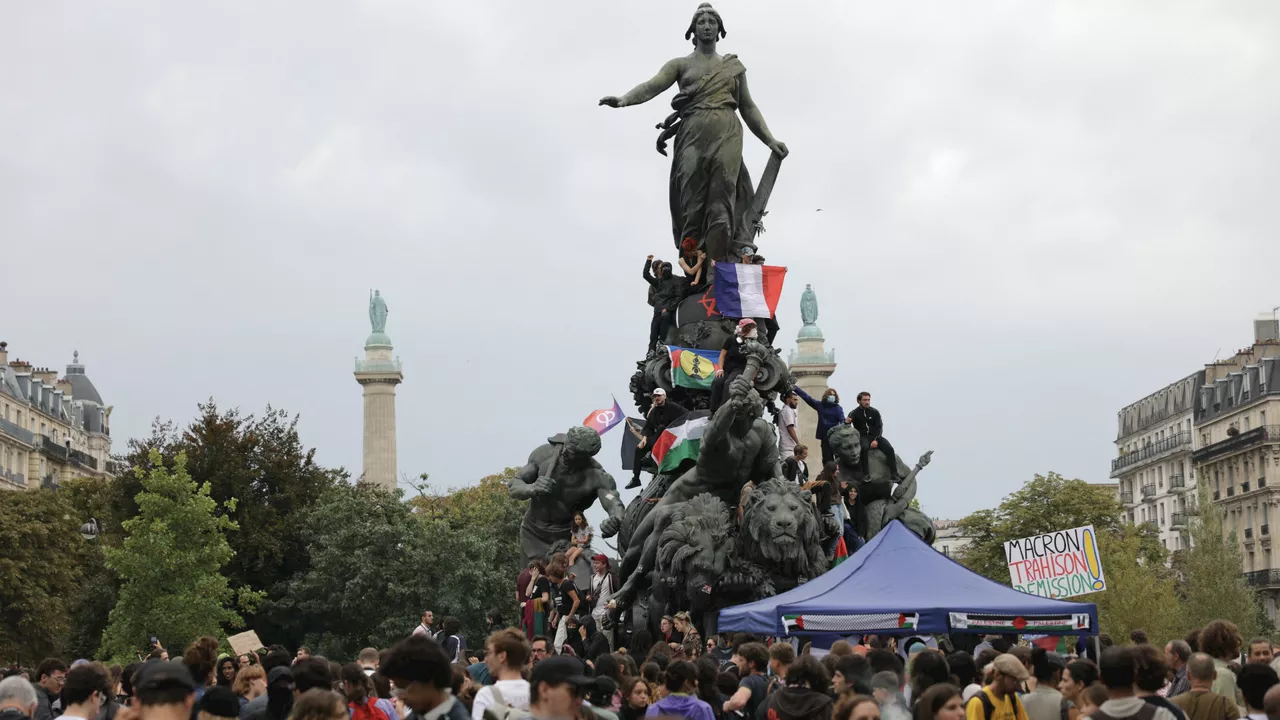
<point x="362" y="701"/>
<point x="999" y="699"/>
<point x="1118" y="668"/>
<point x="453" y="641"/>
<point x="505" y="654"/>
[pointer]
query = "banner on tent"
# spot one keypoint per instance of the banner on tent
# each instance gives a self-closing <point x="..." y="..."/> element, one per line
<point x="847" y="623"/>
<point x="1065" y="623"/>
<point x="1055" y="565"/>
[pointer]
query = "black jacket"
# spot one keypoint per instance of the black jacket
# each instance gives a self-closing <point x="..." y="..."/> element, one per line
<point x="866" y="420"/>
<point x="44" y="704"/>
<point x="791" y="470"/>
<point x="14" y="713"/>
<point x="669" y="289"/>
<point x="797" y="703"/>
<point x="660" y="416"/>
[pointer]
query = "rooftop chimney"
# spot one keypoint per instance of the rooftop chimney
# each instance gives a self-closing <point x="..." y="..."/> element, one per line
<point x="1266" y="328"/>
<point x="4" y="353"/>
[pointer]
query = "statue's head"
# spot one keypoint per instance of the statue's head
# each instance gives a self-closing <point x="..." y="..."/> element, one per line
<point x="695" y="547"/>
<point x="845" y="445"/>
<point x="780" y="524"/>
<point x="706" y="26"/>
<point x="581" y="443"/>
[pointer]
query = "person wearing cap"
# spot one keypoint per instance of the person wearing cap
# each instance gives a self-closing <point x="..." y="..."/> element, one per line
<point x="1046" y="702"/>
<point x="733" y="361"/>
<point x="601" y="590"/>
<point x="999" y="699"/>
<point x="557" y="688"/>
<point x="423" y="677"/>
<point x="163" y="691"/>
<point x="218" y="703"/>
<point x="662" y="412"/>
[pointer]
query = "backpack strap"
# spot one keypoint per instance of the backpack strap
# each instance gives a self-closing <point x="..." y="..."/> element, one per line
<point x="497" y="695"/>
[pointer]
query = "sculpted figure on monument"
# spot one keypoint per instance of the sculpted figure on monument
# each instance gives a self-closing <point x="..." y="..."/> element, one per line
<point x="780" y="535"/>
<point x="563" y="478"/>
<point x="737" y="446"/>
<point x="377" y="312"/>
<point x="809" y="306"/>
<point x="885" y="492"/>
<point x="710" y="191"/>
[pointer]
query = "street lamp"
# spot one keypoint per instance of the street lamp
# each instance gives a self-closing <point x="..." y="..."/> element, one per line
<point x="90" y="530"/>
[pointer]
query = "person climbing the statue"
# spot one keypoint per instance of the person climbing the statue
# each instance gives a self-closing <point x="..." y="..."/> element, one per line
<point x="693" y="261"/>
<point x="669" y="290"/>
<point x="733" y="360"/>
<point x="866" y="420"/>
<point x="830" y="415"/>
<point x="661" y="414"/>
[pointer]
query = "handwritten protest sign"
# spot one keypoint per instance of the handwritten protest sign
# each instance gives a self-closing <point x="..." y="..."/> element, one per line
<point x="245" y="642"/>
<point x="1059" y="564"/>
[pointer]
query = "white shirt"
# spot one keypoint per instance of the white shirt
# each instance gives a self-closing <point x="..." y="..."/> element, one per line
<point x="515" y="694"/>
<point x="786" y="416"/>
<point x="600" y="588"/>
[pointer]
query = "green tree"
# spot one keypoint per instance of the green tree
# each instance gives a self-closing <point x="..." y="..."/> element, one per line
<point x="1140" y="589"/>
<point x="96" y="593"/>
<point x="262" y="463"/>
<point x="1044" y="504"/>
<point x="1213" y="586"/>
<point x="170" y="564"/>
<point x="39" y="572"/>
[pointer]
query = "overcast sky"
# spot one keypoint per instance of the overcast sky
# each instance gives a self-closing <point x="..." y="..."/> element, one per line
<point x="1031" y="215"/>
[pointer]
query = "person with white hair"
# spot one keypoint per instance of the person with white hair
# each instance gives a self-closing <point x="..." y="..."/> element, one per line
<point x="17" y="698"/>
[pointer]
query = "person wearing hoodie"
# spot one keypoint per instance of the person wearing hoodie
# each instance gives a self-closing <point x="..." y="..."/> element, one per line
<point x="18" y="699"/>
<point x="830" y="415"/>
<point x="681" y="701"/>
<point x="805" y="696"/>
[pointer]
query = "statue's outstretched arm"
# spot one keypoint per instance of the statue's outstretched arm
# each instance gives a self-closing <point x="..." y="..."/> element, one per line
<point x="754" y="119"/>
<point x="649" y="89"/>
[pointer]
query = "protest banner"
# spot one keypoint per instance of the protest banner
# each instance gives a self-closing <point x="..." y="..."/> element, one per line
<point x="1060" y="564"/>
<point x="245" y="642"/>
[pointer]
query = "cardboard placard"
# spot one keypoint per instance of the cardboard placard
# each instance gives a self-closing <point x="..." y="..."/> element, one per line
<point x="1059" y="564"/>
<point x="245" y="642"/>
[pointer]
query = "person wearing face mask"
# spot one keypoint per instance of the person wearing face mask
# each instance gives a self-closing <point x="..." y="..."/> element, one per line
<point x="733" y="361"/>
<point x="830" y="415"/>
<point x="668" y="290"/>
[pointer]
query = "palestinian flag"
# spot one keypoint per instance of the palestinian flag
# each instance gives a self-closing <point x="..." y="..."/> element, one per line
<point x="693" y="368"/>
<point x="874" y="622"/>
<point x="842" y="552"/>
<point x="680" y="441"/>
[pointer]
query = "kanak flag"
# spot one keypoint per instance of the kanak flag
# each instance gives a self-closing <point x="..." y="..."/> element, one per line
<point x="748" y="291"/>
<point x="603" y="420"/>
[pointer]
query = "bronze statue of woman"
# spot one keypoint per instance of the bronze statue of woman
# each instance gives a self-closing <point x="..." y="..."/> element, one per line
<point x="710" y="190"/>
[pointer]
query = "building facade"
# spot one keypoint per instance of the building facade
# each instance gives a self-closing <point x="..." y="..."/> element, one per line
<point x="1153" y="464"/>
<point x="811" y="365"/>
<point x="51" y="429"/>
<point x="1237" y="433"/>
<point x="950" y="540"/>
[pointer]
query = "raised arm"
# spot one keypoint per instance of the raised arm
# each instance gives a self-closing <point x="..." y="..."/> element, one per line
<point x="649" y="89"/>
<point x="648" y="272"/>
<point x="608" y="496"/>
<point x="809" y="400"/>
<point x="754" y="120"/>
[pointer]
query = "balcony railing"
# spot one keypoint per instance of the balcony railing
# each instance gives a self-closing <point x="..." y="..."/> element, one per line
<point x="1265" y="530"/>
<point x="1262" y="482"/>
<point x="1217" y="494"/>
<point x="84" y="459"/>
<point x="115" y="467"/>
<point x="1231" y="491"/>
<point x="1248" y="533"/>
<point x="1126" y="497"/>
<point x="1148" y="492"/>
<point x="1150" y="452"/>
<point x="52" y="448"/>
<point x="1262" y="578"/>
<point x="17" y="432"/>
<point x="13" y="477"/>
<point x="1244" y="487"/>
<point x="1177" y="483"/>
<point x="1235" y="443"/>
<point x="50" y="482"/>
<point x="1178" y="520"/>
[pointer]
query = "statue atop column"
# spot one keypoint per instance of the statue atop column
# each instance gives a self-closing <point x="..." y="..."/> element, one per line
<point x="809" y="306"/>
<point x="711" y="196"/>
<point x="377" y="312"/>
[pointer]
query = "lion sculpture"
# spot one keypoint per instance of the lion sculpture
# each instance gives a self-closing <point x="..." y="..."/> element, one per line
<point x="780" y="535"/>
<point x="693" y="554"/>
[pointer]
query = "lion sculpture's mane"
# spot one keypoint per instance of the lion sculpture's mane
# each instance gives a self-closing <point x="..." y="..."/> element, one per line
<point x="757" y="543"/>
<point x="699" y="523"/>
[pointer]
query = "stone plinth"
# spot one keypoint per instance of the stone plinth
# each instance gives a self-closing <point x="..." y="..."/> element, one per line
<point x="379" y="374"/>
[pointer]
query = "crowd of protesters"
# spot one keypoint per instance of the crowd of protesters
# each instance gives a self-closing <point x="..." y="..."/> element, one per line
<point x="435" y="674"/>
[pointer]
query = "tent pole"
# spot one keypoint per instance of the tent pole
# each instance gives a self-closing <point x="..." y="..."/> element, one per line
<point x="1097" y="647"/>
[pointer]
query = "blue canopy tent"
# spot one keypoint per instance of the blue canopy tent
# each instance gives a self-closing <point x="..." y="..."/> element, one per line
<point x="898" y="585"/>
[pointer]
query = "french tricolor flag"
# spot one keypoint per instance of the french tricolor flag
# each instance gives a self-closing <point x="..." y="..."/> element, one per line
<point x="748" y="291"/>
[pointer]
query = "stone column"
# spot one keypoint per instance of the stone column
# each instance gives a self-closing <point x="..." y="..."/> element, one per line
<point x="811" y="365"/>
<point x="379" y="373"/>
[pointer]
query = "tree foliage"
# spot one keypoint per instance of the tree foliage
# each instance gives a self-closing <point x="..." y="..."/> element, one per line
<point x="39" y="572"/>
<point x="377" y="563"/>
<point x="1141" y="592"/>
<point x="170" y="564"/>
<point x="1044" y="504"/>
<point x="262" y="463"/>
<point x="1212" y="585"/>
